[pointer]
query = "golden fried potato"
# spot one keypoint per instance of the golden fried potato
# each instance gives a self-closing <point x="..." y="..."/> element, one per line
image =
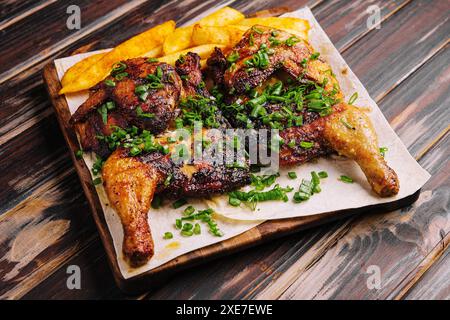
<point x="204" y="51"/>
<point x="206" y="34"/>
<point x="222" y="17"/>
<point x="226" y="35"/>
<point x="137" y="46"/>
<point x="74" y="71"/>
<point x="299" y="27"/>
<point x="182" y="37"/>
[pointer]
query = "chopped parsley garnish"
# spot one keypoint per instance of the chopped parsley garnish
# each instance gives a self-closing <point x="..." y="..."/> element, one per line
<point x="97" y="181"/>
<point x="383" y="151"/>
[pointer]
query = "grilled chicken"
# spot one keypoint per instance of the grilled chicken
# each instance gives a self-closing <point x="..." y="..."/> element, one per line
<point x="132" y="181"/>
<point x="282" y="50"/>
<point x="347" y="130"/>
<point x="142" y="93"/>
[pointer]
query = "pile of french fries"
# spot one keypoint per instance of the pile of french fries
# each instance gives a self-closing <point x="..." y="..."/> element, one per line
<point x="223" y="29"/>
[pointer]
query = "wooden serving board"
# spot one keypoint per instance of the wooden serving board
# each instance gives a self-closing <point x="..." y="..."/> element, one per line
<point x="142" y="282"/>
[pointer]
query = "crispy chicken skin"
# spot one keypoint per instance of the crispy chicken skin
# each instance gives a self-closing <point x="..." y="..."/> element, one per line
<point x="289" y="58"/>
<point x="130" y="185"/>
<point x="160" y="102"/>
<point x="360" y="143"/>
<point x="349" y="132"/>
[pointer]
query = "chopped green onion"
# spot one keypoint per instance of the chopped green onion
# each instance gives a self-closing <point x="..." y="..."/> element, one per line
<point x="348" y="125"/>
<point x="156" y="202"/>
<point x="346" y="179"/>
<point x="179" y="203"/>
<point x="233" y="57"/>
<point x="188" y="211"/>
<point x="97" y="181"/>
<point x="187" y="233"/>
<point x="79" y="154"/>
<point x="323" y="174"/>
<point x="292" y="175"/>
<point x="291" y="41"/>
<point x="234" y="202"/>
<point x="314" y="56"/>
<point x="383" y="151"/>
<point x="168" y="235"/>
<point x="353" y="98"/>
<point x="197" y="229"/>
<point x="110" y="83"/>
<point x="306" y="144"/>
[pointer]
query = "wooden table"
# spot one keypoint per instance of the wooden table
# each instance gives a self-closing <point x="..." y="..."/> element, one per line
<point x="45" y="223"/>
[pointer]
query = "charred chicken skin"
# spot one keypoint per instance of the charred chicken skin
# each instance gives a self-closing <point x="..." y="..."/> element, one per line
<point x="270" y="79"/>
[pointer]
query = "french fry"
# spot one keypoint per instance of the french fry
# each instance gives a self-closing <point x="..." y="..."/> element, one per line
<point x="299" y="27"/>
<point x="74" y="71"/>
<point x="182" y="37"/>
<point x="222" y="17"/>
<point x="132" y="48"/>
<point x="204" y="51"/>
<point x="206" y="34"/>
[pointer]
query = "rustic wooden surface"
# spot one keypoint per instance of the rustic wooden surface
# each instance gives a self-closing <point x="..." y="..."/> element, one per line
<point x="45" y="223"/>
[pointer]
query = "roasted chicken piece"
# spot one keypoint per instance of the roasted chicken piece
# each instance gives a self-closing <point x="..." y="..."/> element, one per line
<point x="260" y="53"/>
<point x="131" y="183"/>
<point x="139" y="92"/>
<point x="341" y="128"/>
<point x="349" y="132"/>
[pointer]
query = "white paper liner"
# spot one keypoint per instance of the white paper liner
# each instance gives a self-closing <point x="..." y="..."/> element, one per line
<point x="335" y="194"/>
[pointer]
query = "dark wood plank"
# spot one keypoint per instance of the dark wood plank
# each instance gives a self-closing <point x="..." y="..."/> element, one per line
<point x="435" y="283"/>
<point x="348" y="19"/>
<point x="396" y="242"/>
<point x="45" y="32"/>
<point x="387" y="56"/>
<point x="14" y="8"/>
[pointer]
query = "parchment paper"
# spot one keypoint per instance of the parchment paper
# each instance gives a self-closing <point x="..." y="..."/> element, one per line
<point x="335" y="194"/>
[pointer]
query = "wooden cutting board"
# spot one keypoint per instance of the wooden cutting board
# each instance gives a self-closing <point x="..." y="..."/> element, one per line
<point x="263" y="232"/>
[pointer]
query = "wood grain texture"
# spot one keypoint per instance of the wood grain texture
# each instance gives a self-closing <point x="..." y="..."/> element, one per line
<point x="399" y="241"/>
<point x="25" y="116"/>
<point x="434" y="284"/>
